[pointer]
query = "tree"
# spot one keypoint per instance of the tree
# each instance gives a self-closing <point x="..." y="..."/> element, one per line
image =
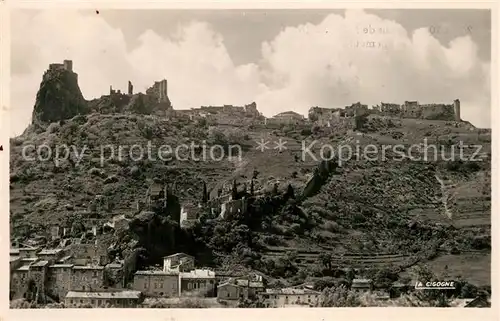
<point x="234" y="192"/>
<point x="289" y="192"/>
<point x="251" y="188"/>
<point x="326" y="260"/>
<point x="205" y="193"/>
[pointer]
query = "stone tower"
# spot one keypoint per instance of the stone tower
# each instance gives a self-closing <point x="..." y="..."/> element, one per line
<point x="130" y="88"/>
<point x="456" y="106"/>
<point x="163" y="93"/>
<point x="68" y="65"/>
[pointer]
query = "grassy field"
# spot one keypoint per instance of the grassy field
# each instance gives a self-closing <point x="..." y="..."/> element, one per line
<point x="474" y="268"/>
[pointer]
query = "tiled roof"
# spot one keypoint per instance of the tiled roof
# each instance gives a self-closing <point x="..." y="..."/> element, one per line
<point x="40" y="263"/>
<point x="155" y="272"/>
<point x="198" y="274"/>
<point x="285" y="291"/>
<point x="88" y="267"/>
<point x="177" y="254"/>
<point x="61" y="265"/>
<point x="24" y="268"/>
<point x="105" y="295"/>
<point x="49" y="251"/>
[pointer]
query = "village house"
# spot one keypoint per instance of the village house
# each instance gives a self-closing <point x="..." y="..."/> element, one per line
<point x="59" y="280"/>
<point x="236" y="289"/>
<point x="87" y="278"/>
<point x="362" y="285"/>
<point x="178" y="262"/>
<point x="118" y="299"/>
<point x="198" y="282"/>
<point x="189" y="214"/>
<point x="233" y="207"/>
<point x="286" y="297"/>
<point x="157" y="283"/>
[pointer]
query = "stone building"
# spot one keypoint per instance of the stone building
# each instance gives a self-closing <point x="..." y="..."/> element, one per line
<point x="356" y="109"/>
<point x="157" y="283"/>
<point x="287" y="117"/>
<point x="117" y="299"/>
<point x="156" y="193"/>
<point x="411" y="109"/>
<point x="362" y="285"/>
<point x="159" y="91"/>
<point x="87" y="277"/>
<point x="59" y="280"/>
<point x="280" y="298"/>
<point x="390" y="108"/>
<point x="198" y="282"/>
<point x="66" y="65"/>
<point x="233" y="207"/>
<point x="178" y="262"/>
<point x="189" y="213"/>
<point x="235" y="289"/>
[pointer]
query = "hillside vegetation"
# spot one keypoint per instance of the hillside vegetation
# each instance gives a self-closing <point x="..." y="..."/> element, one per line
<point x="307" y="219"/>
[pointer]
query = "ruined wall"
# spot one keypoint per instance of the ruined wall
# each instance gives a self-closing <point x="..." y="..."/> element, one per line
<point x="438" y="112"/>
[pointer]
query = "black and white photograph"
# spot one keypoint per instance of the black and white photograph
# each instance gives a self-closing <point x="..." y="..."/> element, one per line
<point x="259" y="158"/>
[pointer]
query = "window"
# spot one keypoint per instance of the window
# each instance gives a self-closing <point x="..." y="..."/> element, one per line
<point x="202" y="285"/>
<point x="145" y="285"/>
<point x="70" y="301"/>
<point x="98" y="302"/>
<point x="92" y="302"/>
<point x="156" y="286"/>
<point x="81" y="301"/>
<point x="161" y="285"/>
<point x="189" y="286"/>
<point x="228" y="294"/>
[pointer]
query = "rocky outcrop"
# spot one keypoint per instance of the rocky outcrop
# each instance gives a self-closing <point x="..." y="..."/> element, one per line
<point x="59" y="97"/>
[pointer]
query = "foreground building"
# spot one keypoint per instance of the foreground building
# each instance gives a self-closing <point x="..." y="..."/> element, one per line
<point x="287" y="297"/>
<point x="118" y="299"/>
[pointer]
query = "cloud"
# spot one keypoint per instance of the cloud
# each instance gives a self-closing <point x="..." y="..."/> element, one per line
<point x="342" y="59"/>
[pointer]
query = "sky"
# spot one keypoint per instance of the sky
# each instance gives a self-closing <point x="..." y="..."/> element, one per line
<point x="281" y="59"/>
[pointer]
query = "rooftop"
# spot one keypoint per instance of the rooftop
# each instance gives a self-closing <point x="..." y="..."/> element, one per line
<point x="40" y="263"/>
<point x="105" y="295"/>
<point x="61" y="265"/>
<point x="198" y="274"/>
<point x="88" y="267"/>
<point x="64" y="259"/>
<point x="362" y="281"/>
<point x="178" y="254"/>
<point x="29" y="248"/>
<point x="24" y="268"/>
<point x="50" y="251"/>
<point x="155" y="272"/>
<point x="291" y="291"/>
<point x="29" y="259"/>
<point x="250" y="284"/>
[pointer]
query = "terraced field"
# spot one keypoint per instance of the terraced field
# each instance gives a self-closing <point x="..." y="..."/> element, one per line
<point x="345" y="261"/>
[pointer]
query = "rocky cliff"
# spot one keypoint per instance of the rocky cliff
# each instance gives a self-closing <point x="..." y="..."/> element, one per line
<point x="59" y="97"/>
